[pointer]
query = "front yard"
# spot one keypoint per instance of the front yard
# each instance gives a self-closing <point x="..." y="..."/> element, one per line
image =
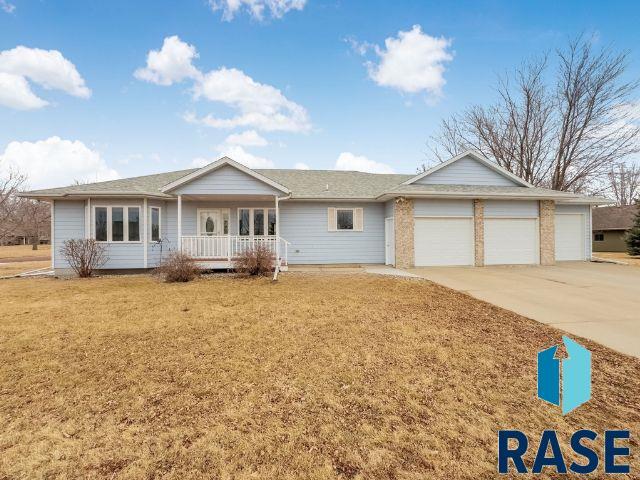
<point x="15" y="259"/>
<point x="315" y="376"/>
<point x="619" y="257"/>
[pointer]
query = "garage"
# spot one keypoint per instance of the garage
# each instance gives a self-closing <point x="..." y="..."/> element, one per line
<point x="511" y="241"/>
<point x="443" y="241"/>
<point x="569" y="236"/>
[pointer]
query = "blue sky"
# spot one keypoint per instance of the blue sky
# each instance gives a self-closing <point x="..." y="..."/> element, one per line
<point x="303" y="60"/>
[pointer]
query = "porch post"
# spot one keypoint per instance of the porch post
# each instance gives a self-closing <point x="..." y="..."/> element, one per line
<point x="145" y="244"/>
<point x="277" y="233"/>
<point x="180" y="222"/>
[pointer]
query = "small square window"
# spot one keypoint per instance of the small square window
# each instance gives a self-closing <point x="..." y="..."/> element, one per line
<point x="598" y="237"/>
<point x="344" y="219"/>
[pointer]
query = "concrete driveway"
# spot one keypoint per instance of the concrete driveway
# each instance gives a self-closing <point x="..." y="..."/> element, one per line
<point x="598" y="301"/>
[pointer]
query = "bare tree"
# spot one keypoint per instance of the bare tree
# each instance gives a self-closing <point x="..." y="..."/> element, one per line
<point x="11" y="181"/>
<point x="624" y="183"/>
<point x="32" y="219"/>
<point x="564" y="135"/>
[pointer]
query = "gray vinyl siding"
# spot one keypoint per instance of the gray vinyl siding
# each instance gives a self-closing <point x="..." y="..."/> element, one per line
<point x="442" y="208"/>
<point x="227" y="180"/>
<point x="304" y="225"/>
<point x="586" y="211"/>
<point x="511" y="208"/>
<point x="69" y="218"/>
<point x="466" y="171"/>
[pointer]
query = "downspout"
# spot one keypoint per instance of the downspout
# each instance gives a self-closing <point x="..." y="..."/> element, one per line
<point x="276" y="270"/>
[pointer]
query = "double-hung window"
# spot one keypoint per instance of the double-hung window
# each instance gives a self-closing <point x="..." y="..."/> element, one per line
<point x="117" y="224"/>
<point x="257" y="221"/>
<point x="155" y="224"/>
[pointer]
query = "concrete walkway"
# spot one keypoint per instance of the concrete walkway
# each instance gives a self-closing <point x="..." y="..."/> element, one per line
<point x="598" y="301"/>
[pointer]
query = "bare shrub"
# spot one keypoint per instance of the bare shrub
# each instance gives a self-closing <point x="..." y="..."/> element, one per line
<point x="256" y="261"/>
<point x="178" y="267"/>
<point x="84" y="255"/>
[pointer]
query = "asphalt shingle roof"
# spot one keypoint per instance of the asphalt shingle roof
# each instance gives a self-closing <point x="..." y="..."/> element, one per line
<point x="308" y="184"/>
<point x="613" y="218"/>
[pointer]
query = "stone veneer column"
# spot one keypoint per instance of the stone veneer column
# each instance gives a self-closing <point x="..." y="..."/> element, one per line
<point x="478" y="230"/>
<point x="547" y="232"/>
<point x="403" y="232"/>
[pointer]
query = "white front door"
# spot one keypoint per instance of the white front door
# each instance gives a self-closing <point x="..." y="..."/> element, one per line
<point x="511" y="241"/>
<point x="570" y="236"/>
<point x="209" y="222"/>
<point x="443" y="241"/>
<point x="389" y="242"/>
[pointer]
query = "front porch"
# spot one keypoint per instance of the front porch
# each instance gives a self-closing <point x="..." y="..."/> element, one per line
<point x="220" y="251"/>
<point x="216" y="229"/>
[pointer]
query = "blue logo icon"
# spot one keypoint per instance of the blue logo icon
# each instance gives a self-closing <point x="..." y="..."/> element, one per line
<point x="565" y="382"/>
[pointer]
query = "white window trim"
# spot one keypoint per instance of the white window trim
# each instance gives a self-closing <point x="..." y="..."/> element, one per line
<point x="125" y="227"/>
<point x="222" y="211"/>
<point x="251" y="222"/>
<point x="151" y="224"/>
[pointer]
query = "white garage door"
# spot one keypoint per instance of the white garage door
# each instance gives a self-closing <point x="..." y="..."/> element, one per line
<point x="443" y="241"/>
<point x="570" y="237"/>
<point x="510" y="241"/>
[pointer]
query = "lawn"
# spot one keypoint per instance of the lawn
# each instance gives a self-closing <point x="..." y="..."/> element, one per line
<point x="619" y="256"/>
<point x="19" y="252"/>
<point x="15" y="259"/>
<point x="312" y="377"/>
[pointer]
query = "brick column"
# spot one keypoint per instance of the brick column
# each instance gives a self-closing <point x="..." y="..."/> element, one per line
<point x="547" y="232"/>
<point x="478" y="230"/>
<point x="403" y="231"/>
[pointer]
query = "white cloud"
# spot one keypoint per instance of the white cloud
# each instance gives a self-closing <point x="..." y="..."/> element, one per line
<point x="301" y="166"/>
<point x="412" y="62"/>
<point x="6" y="6"/>
<point x="349" y="161"/>
<point x="47" y="68"/>
<point x="248" y="138"/>
<point x="240" y="155"/>
<point x="237" y="153"/>
<point x="171" y="64"/>
<point x="54" y="162"/>
<point x="258" y="106"/>
<point x="256" y="8"/>
<point x="16" y="93"/>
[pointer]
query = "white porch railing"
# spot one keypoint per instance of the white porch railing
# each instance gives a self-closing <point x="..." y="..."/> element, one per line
<point x="227" y="247"/>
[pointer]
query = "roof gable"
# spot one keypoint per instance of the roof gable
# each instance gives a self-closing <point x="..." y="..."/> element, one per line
<point x="225" y="172"/>
<point x="468" y="168"/>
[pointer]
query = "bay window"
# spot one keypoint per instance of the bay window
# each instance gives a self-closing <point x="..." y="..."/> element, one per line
<point x="116" y="224"/>
<point x="155" y="224"/>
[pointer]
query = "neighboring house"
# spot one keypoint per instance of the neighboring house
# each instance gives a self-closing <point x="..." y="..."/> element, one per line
<point x="610" y="224"/>
<point x="466" y="211"/>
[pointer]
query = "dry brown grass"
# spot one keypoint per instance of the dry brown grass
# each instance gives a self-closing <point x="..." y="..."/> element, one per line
<point x="14" y="268"/>
<point x="312" y="377"/>
<point x="619" y="256"/>
<point x="12" y="252"/>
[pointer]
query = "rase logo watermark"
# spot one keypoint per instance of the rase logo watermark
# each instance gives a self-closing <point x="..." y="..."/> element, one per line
<point x="565" y="383"/>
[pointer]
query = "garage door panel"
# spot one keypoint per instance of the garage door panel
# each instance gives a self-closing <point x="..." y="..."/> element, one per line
<point x="511" y="241"/>
<point x="443" y="241"/>
<point x="569" y="236"/>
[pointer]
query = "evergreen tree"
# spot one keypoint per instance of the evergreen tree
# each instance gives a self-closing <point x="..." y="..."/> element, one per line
<point x="633" y="236"/>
